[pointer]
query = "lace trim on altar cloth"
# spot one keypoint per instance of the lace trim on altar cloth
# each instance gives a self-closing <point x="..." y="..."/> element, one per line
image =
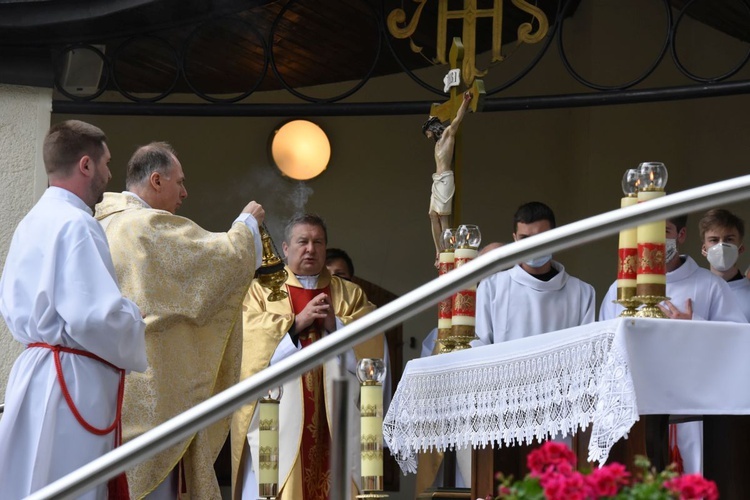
<point x="517" y="400"/>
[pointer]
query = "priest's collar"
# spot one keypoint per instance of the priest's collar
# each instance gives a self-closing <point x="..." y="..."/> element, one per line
<point x="308" y="282"/>
<point x="321" y="280"/>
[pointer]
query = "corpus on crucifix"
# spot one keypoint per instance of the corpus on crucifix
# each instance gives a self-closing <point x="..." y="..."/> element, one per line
<point x="448" y="143"/>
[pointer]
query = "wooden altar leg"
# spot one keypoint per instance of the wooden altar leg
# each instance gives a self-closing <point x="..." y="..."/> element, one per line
<point x="726" y="453"/>
<point x="482" y="472"/>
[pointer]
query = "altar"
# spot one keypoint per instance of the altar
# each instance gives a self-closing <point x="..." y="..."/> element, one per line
<point x="604" y="374"/>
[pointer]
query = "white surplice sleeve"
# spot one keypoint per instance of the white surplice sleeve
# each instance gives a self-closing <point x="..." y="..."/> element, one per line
<point x="89" y="301"/>
<point x="588" y="304"/>
<point x="724" y="305"/>
<point x="608" y="309"/>
<point x="483" y="312"/>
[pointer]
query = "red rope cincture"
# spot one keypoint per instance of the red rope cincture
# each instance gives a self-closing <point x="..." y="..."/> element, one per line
<point x="118" y="485"/>
<point x="56" y="349"/>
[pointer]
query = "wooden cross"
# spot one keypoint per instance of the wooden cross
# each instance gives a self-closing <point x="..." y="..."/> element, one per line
<point x="447" y="112"/>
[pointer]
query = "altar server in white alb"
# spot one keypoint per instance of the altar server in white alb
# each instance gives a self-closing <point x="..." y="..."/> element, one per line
<point x="695" y="293"/>
<point x="721" y="234"/>
<point x="60" y="298"/>
<point x="534" y="297"/>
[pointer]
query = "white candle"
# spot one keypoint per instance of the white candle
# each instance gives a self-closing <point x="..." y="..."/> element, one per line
<point x="627" y="268"/>
<point x="464" y="302"/>
<point x="268" y="474"/>
<point x="445" y="263"/>
<point x="371" y="425"/>
<point x="651" y="279"/>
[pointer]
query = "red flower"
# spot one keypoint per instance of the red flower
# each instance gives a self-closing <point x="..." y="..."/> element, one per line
<point x="693" y="487"/>
<point x="566" y="487"/>
<point x="551" y="456"/>
<point x="606" y="481"/>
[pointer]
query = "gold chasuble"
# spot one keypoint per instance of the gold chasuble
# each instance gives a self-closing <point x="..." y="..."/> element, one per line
<point x="189" y="283"/>
<point x="304" y="472"/>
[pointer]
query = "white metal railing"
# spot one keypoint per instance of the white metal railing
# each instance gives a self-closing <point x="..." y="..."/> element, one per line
<point x="393" y="313"/>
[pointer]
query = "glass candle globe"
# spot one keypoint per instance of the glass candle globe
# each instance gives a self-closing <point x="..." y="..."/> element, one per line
<point x="468" y="236"/>
<point x="630" y="182"/>
<point x="371" y="370"/>
<point x="274" y="394"/>
<point x="652" y="176"/>
<point x="448" y="240"/>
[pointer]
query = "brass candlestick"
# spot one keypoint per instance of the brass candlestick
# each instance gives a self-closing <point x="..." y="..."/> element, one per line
<point x="625" y="297"/>
<point x="650" y="307"/>
<point x="271" y="273"/>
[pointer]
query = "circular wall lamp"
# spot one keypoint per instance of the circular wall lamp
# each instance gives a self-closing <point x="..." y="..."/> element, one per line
<point x="300" y="149"/>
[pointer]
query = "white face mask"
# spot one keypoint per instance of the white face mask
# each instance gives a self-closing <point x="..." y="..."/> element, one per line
<point x="671" y="249"/>
<point x="722" y="256"/>
<point x="539" y="261"/>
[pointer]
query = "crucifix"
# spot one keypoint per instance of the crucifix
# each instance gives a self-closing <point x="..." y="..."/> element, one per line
<point x="445" y="201"/>
<point x="447" y="181"/>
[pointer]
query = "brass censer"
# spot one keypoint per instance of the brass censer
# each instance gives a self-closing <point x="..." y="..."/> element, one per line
<point x="271" y="274"/>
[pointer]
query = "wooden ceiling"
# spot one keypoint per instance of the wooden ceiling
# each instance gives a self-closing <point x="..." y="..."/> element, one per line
<point x="311" y="42"/>
<point x="222" y="46"/>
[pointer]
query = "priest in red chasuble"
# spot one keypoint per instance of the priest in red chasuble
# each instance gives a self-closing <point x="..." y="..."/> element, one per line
<point x="318" y="304"/>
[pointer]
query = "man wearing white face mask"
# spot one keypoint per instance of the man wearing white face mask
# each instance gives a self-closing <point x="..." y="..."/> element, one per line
<point x="534" y="297"/>
<point x="721" y="234"/>
<point x="694" y="293"/>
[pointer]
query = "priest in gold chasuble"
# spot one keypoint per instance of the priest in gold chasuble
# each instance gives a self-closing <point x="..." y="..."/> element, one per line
<point x="317" y="305"/>
<point x="189" y="283"/>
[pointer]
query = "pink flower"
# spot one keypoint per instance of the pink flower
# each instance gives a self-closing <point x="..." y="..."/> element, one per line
<point x="551" y="456"/>
<point x="693" y="487"/>
<point x="566" y="487"/>
<point x="503" y="490"/>
<point x="606" y="481"/>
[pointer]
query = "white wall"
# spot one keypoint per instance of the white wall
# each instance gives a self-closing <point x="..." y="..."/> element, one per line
<point x="24" y="119"/>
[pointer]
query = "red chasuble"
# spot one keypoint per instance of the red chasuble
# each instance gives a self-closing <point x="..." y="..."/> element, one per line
<point x="315" y="449"/>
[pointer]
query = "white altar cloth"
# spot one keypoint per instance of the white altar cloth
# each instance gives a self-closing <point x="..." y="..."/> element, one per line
<point x="604" y="373"/>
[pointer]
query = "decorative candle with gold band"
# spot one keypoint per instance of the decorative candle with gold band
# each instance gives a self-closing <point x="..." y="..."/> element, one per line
<point x="651" y="282"/>
<point x="463" y="319"/>
<point x="627" y="267"/>
<point x="371" y="373"/>
<point x="268" y="469"/>
<point x="445" y="307"/>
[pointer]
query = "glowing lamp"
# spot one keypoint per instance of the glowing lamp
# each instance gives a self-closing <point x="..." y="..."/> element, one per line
<point x="300" y="149"/>
<point x="468" y="236"/>
<point x="630" y="182"/>
<point x="448" y="240"/>
<point x="653" y="176"/>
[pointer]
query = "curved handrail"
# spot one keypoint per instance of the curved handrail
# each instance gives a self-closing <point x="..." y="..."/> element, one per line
<point x="224" y="403"/>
